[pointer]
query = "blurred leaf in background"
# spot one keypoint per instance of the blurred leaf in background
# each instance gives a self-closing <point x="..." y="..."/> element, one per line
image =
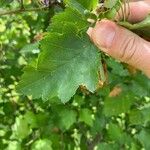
<point x="115" y="116"/>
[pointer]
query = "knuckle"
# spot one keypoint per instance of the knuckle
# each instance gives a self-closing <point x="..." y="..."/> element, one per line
<point x="128" y="49"/>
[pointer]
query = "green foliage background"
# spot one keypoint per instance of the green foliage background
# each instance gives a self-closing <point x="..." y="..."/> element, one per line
<point x="87" y="120"/>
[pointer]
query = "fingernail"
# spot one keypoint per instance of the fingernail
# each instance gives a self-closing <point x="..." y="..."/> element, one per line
<point x="89" y="31"/>
<point x="104" y="33"/>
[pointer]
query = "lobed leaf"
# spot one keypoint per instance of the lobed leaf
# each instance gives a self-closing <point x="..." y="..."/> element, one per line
<point x="118" y="104"/>
<point x="67" y="61"/>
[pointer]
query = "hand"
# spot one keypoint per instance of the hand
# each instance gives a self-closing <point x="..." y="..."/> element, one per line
<point x="121" y="43"/>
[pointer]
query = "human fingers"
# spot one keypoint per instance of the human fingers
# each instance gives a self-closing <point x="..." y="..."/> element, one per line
<point x="122" y="44"/>
<point x="135" y="12"/>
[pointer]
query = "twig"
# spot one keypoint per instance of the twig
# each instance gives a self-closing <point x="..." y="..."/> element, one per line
<point x="23" y="10"/>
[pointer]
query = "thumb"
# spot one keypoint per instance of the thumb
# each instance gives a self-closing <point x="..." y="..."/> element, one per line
<point x="121" y="44"/>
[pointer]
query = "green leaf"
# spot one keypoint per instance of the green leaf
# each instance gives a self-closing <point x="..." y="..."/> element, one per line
<point x="117" y="68"/>
<point x="144" y="137"/>
<point x="136" y="117"/>
<point x="112" y="7"/>
<point x="68" y="16"/>
<point x="134" y="146"/>
<point x="21" y="128"/>
<point x="99" y="124"/>
<point x="32" y="48"/>
<point x="114" y="132"/>
<point x="81" y="5"/>
<point x="42" y="144"/>
<point x="67" y="61"/>
<point x="119" y="104"/>
<point x="5" y="2"/>
<point x="107" y="146"/>
<point x="140" y="85"/>
<point x="110" y="3"/>
<point x="142" y="28"/>
<point x="75" y="5"/>
<point x="89" y="4"/>
<point x="140" y="116"/>
<point x="67" y="118"/>
<point x="42" y="118"/>
<point x="13" y="145"/>
<point x="78" y="100"/>
<point x="86" y="116"/>
<point x="31" y="119"/>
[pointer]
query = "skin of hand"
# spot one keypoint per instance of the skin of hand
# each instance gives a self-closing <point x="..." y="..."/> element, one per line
<point x="121" y="43"/>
